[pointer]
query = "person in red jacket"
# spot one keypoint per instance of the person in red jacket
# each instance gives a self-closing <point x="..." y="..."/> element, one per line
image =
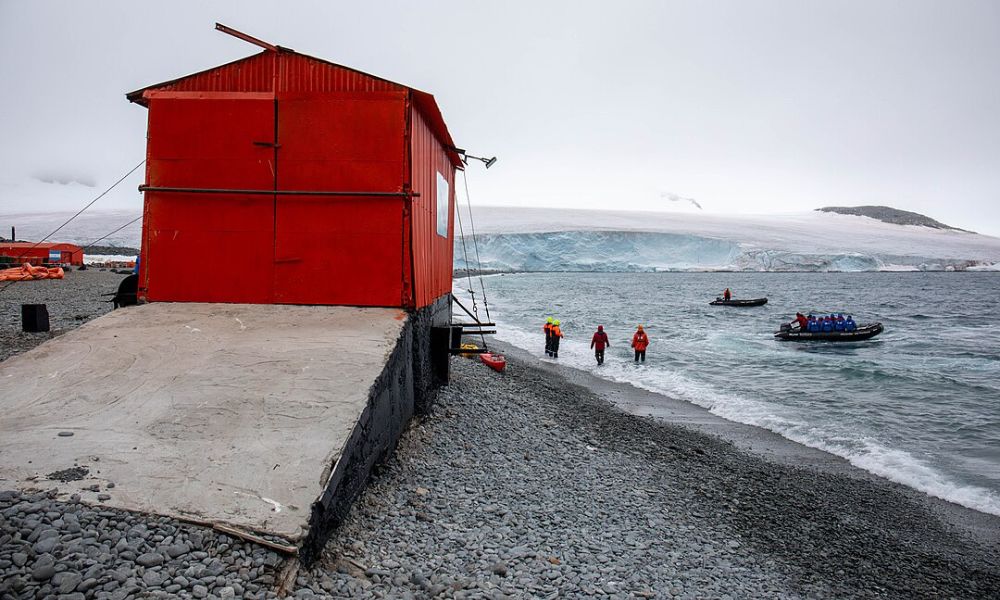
<point x="639" y="343"/>
<point x="802" y="321"/>
<point x="598" y="343"/>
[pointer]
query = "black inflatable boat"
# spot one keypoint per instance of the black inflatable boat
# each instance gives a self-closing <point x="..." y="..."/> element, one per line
<point x="863" y="332"/>
<point x="750" y="302"/>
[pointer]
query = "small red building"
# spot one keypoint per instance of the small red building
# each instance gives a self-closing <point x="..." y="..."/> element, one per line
<point x="44" y="253"/>
<point x="283" y="178"/>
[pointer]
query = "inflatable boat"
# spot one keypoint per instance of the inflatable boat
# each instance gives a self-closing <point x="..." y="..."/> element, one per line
<point x="863" y="332"/>
<point x="750" y="302"/>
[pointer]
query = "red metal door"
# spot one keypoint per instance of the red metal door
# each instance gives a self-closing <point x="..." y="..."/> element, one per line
<point x="340" y="249"/>
<point x="209" y="247"/>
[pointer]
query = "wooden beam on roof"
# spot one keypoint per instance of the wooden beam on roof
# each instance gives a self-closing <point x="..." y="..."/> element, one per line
<point x="245" y="37"/>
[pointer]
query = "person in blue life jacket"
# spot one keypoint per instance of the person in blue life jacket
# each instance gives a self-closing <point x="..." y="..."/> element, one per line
<point x="849" y="324"/>
<point x="838" y="323"/>
<point x="813" y="324"/>
<point x="827" y="325"/>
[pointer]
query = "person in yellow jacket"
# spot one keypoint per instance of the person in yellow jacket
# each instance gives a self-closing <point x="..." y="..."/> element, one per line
<point x="556" y="336"/>
<point x="548" y="336"/>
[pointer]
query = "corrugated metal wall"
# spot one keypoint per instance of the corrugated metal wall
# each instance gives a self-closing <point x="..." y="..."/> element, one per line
<point x="432" y="262"/>
<point x="340" y="250"/>
<point x="216" y="247"/>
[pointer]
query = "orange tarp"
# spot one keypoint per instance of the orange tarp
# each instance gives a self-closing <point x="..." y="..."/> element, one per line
<point x="28" y="272"/>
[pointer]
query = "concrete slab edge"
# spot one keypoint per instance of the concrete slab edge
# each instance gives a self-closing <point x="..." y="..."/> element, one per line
<point x="390" y="407"/>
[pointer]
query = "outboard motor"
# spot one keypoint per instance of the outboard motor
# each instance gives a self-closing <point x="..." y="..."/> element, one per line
<point x="786" y="327"/>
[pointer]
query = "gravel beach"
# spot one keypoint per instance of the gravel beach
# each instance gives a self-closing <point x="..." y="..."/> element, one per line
<point x="72" y="301"/>
<point x="522" y="484"/>
<point x="527" y="485"/>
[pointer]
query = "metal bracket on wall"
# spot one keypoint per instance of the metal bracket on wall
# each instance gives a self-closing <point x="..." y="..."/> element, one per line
<point x="460" y="329"/>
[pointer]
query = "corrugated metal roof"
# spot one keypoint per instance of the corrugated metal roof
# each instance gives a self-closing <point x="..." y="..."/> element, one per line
<point x="285" y="70"/>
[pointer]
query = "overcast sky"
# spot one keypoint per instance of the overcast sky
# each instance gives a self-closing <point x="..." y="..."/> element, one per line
<point x="749" y="107"/>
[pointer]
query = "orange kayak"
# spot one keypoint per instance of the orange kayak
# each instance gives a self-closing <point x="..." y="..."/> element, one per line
<point x="497" y="362"/>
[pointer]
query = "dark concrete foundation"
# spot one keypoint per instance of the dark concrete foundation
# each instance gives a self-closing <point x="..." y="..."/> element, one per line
<point x="430" y="360"/>
<point x="405" y="388"/>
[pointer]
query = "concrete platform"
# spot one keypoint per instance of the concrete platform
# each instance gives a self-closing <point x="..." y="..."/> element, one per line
<point x="218" y="413"/>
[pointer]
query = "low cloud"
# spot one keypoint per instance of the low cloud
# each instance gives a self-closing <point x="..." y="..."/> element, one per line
<point x="672" y="197"/>
<point x="63" y="178"/>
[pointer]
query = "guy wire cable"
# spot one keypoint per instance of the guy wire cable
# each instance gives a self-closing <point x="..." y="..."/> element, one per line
<point x="472" y="224"/>
<point x="468" y="271"/>
<point x="113" y="232"/>
<point x="69" y="220"/>
<point x="465" y="251"/>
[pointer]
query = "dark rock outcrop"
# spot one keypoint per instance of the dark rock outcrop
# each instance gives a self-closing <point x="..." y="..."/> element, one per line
<point x="889" y="215"/>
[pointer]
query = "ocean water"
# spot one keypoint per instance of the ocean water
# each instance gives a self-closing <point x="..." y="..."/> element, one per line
<point x="919" y="404"/>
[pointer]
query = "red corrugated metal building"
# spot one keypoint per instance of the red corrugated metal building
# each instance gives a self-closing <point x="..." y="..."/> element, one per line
<point x="282" y="178"/>
<point x="44" y="253"/>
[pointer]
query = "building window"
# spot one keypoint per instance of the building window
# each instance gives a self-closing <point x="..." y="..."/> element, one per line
<point x="442" y="205"/>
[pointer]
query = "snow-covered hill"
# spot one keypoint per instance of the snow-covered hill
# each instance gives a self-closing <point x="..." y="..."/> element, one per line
<point x="538" y="239"/>
<point x="85" y="229"/>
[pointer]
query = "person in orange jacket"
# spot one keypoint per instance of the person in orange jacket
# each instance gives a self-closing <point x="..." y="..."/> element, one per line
<point x="727" y="295"/>
<point x="599" y="342"/>
<point x="548" y="336"/>
<point x="639" y="342"/>
<point x="556" y="336"/>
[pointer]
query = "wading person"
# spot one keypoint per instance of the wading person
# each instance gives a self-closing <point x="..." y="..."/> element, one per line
<point x="548" y="336"/>
<point x="599" y="342"/>
<point x="639" y="342"/>
<point x="556" y="336"/>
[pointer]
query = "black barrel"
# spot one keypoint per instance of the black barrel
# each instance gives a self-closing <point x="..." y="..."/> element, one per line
<point x="34" y="317"/>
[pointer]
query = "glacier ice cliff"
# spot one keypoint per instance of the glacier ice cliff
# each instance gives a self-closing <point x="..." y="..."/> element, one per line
<point x="576" y="240"/>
